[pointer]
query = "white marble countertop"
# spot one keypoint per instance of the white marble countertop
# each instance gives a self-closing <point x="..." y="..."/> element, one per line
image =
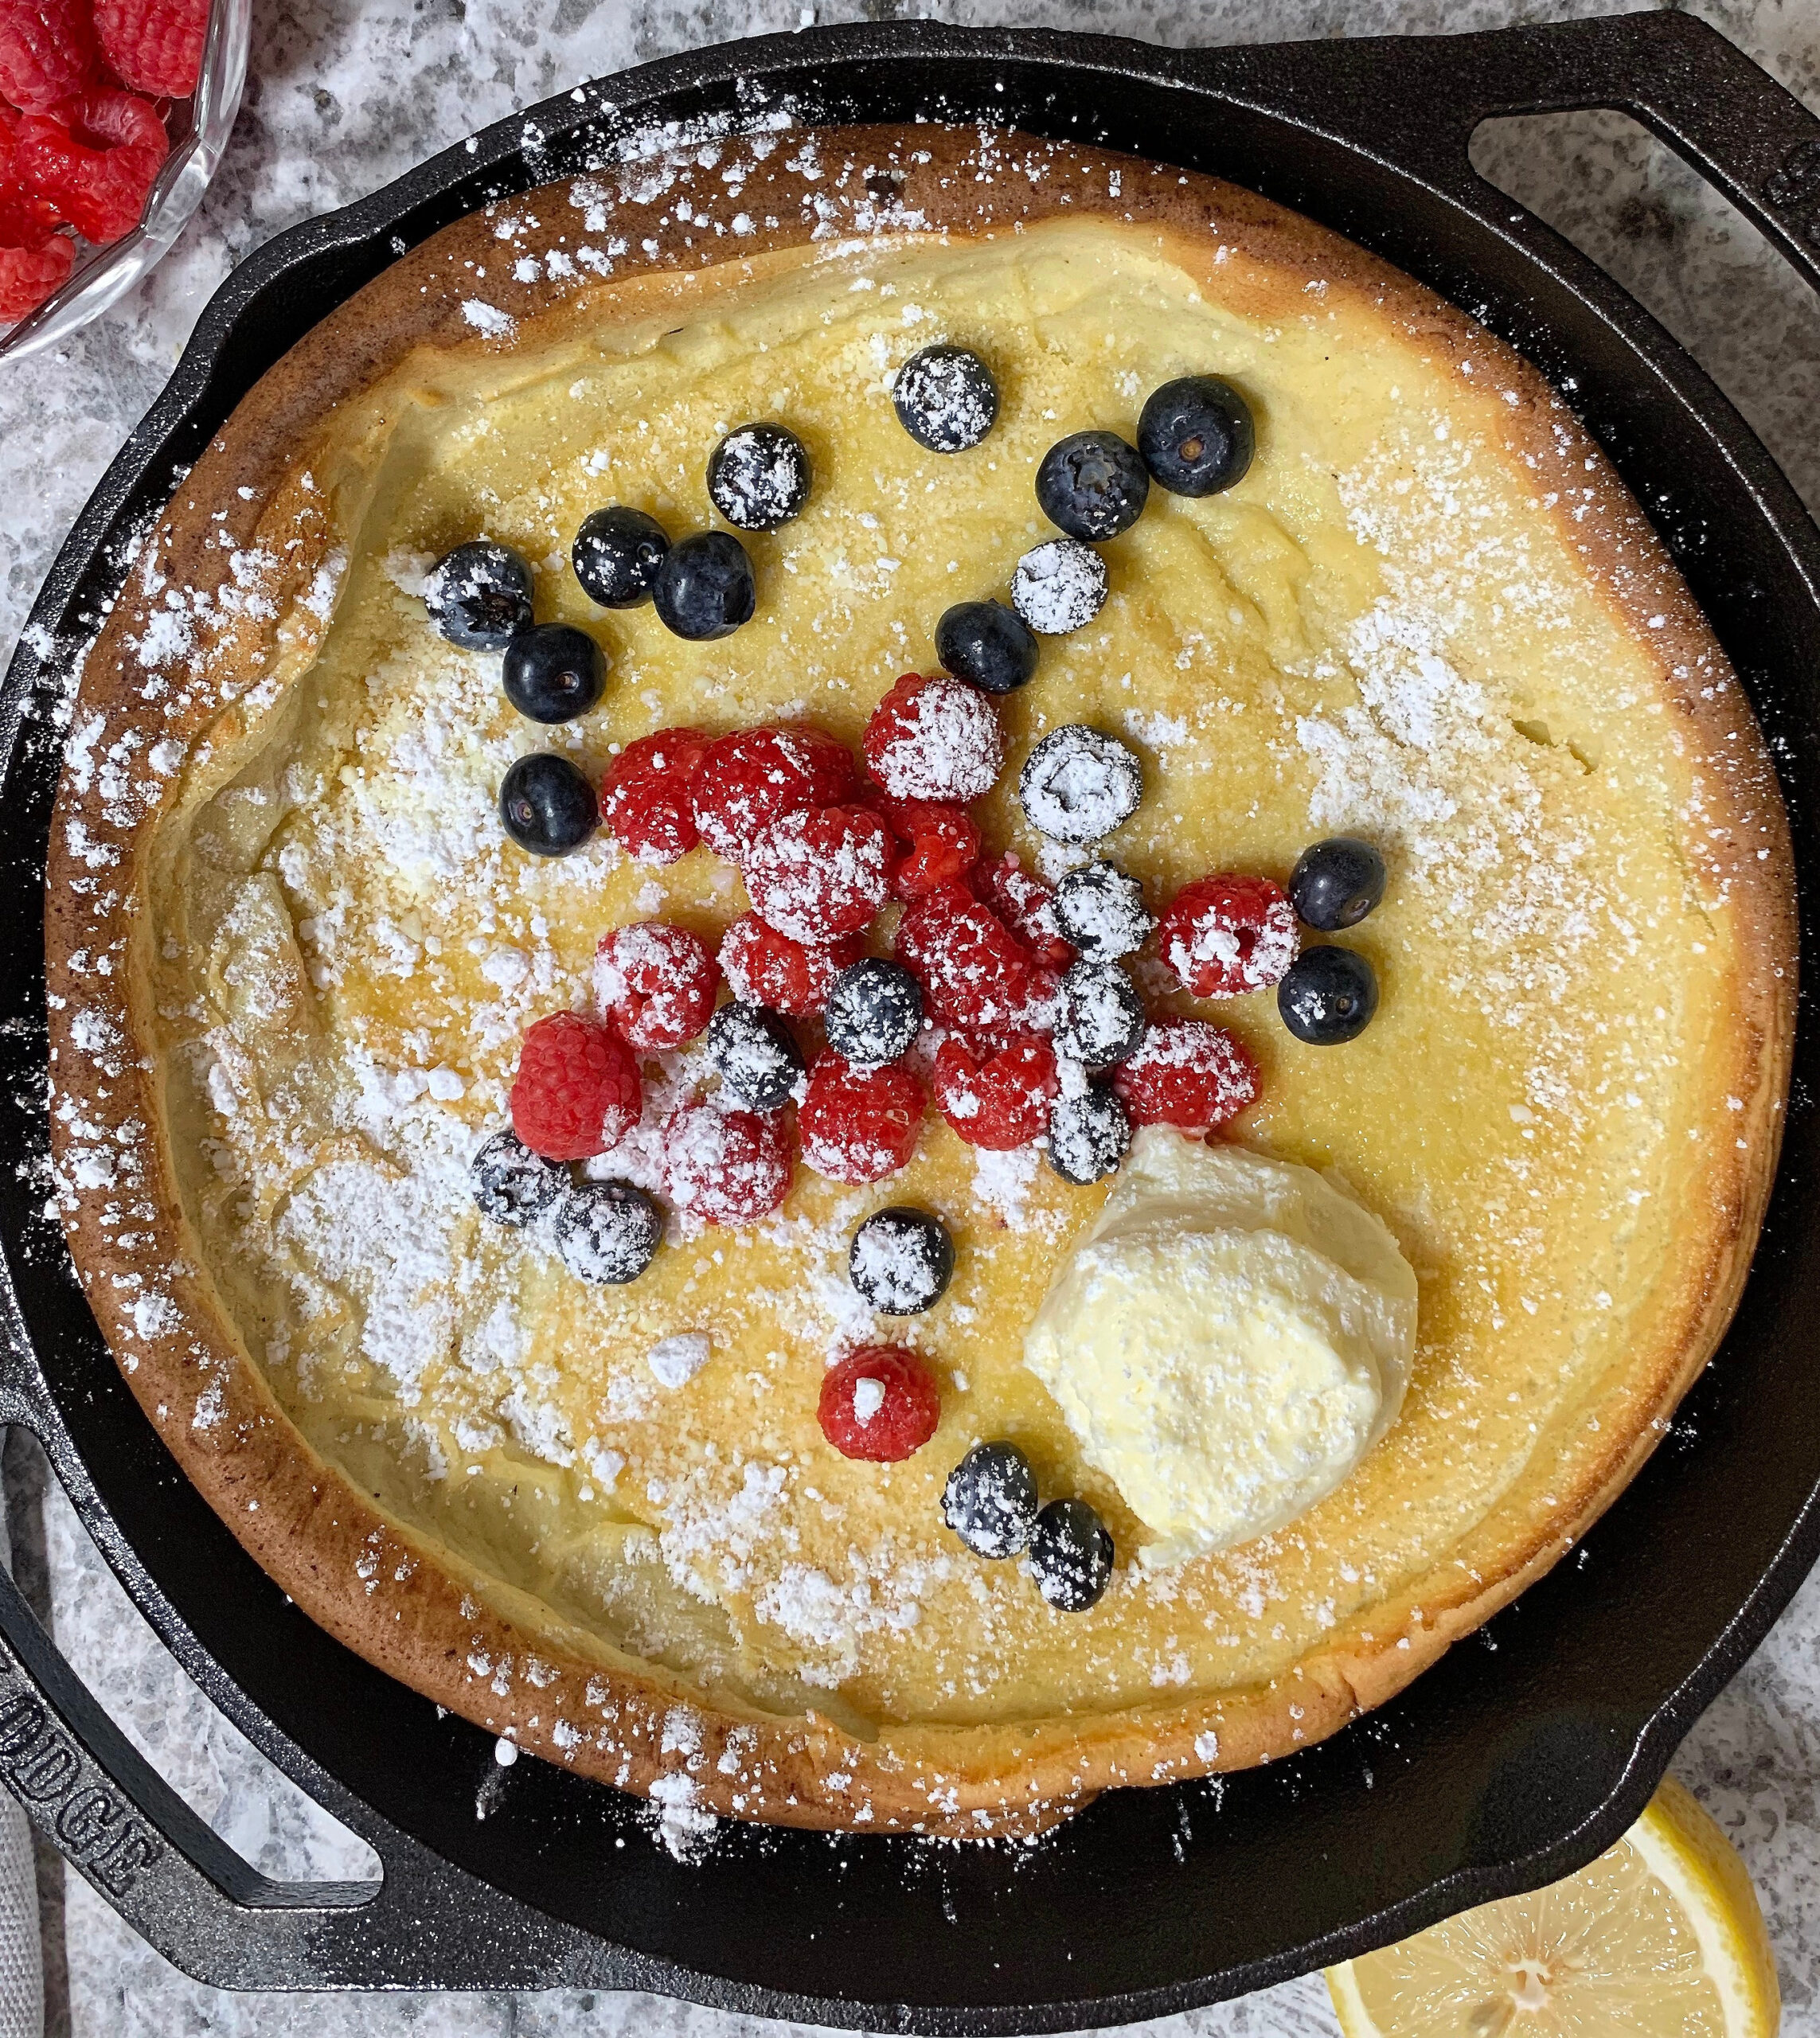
<point x="345" y="95"/>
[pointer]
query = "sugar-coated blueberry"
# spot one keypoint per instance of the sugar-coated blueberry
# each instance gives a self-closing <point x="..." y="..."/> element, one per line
<point x="1088" y="1135"/>
<point x="1328" y="995"/>
<point x="1196" y="435"/>
<point x="705" y="587"/>
<point x="1101" y="1018"/>
<point x="1093" y="485"/>
<point x="617" y="553"/>
<point x="553" y="672"/>
<point x="1079" y="783"/>
<point x="988" y="645"/>
<point x="990" y="1500"/>
<point x="1336" y="883"/>
<point x="755" y="1054"/>
<point x="513" y="1186"/>
<point x="1071" y="1554"/>
<point x="946" y="399"/>
<point x="479" y="595"/>
<point x="759" y="476"/>
<point x="874" y="1012"/>
<point x="608" y="1232"/>
<point x="1059" y="586"/>
<point x="547" y="804"/>
<point x="1100" y="911"/>
<point x="901" y="1260"/>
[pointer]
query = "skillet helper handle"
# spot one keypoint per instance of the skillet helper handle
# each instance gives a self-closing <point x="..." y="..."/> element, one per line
<point x="1420" y="97"/>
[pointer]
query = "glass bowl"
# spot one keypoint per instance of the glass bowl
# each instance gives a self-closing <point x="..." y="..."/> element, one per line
<point x="199" y="127"/>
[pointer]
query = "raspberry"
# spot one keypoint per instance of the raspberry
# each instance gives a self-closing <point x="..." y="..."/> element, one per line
<point x="765" y="967"/>
<point x="100" y="191"/>
<point x="821" y="874"/>
<point x="935" y="739"/>
<point x="578" y="1091"/>
<point x="155" y="46"/>
<point x="46" y="52"/>
<point x="644" y="798"/>
<point x="940" y="843"/>
<point x="35" y="259"/>
<point x="1224" y="936"/>
<point x="725" y="1167"/>
<point x="974" y="974"/>
<point x="1027" y="906"/>
<point x="749" y="781"/>
<point x="879" y="1404"/>
<point x="996" y="1100"/>
<point x="859" y="1125"/>
<point x="1188" y="1073"/>
<point x="106" y="118"/>
<point x="656" y="982"/>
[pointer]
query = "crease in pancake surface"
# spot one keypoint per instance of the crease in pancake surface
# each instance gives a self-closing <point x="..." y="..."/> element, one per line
<point x="1427" y="615"/>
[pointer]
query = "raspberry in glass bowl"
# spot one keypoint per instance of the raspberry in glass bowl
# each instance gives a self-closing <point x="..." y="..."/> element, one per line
<point x="113" y="116"/>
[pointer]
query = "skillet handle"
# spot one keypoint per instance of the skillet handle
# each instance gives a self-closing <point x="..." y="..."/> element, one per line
<point x="1416" y="100"/>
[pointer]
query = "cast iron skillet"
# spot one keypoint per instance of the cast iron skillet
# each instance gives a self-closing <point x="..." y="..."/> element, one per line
<point x="1507" y="1764"/>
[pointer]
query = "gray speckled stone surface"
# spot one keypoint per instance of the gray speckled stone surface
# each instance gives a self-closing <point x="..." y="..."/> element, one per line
<point x="345" y="95"/>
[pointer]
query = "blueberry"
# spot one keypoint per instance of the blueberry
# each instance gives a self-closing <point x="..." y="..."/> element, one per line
<point x="991" y="1500"/>
<point x="988" y="645"/>
<point x="1079" y="784"/>
<point x="553" y="672"/>
<point x="1336" y="883"/>
<point x="1102" y="1016"/>
<point x="1093" y="485"/>
<point x="1072" y="1555"/>
<point x="1088" y="1135"/>
<point x="755" y="1054"/>
<point x="704" y="586"/>
<point x="901" y="1260"/>
<point x="513" y="1186"/>
<point x="1101" y="909"/>
<point x="479" y="596"/>
<point x="1059" y="586"/>
<point x="946" y="399"/>
<point x="548" y="806"/>
<point x="1196" y="435"/>
<point x="1328" y="996"/>
<point x="875" y="1011"/>
<point x="758" y="476"/>
<point x="617" y="553"/>
<point x="608" y="1232"/>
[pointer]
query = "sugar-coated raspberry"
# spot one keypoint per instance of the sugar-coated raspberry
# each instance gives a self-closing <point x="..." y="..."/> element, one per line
<point x="656" y="982"/>
<point x="645" y="797"/>
<point x="975" y="973"/>
<point x="1225" y="935"/>
<point x="46" y="52"/>
<point x="821" y="874"/>
<point x="155" y="46"/>
<point x="858" y="1125"/>
<point x="997" y="1100"/>
<point x="880" y="1405"/>
<point x="937" y="843"/>
<point x="725" y="1167"/>
<point x="35" y="259"/>
<point x="100" y="191"/>
<point x="1188" y="1073"/>
<point x="750" y="780"/>
<point x="764" y="967"/>
<point x="1027" y="906"/>
<point x="935" y="739"/>
<point x="578" y="1091"/>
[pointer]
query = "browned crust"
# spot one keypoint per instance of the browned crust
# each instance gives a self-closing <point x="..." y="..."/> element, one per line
<point x="388" y="1594"/>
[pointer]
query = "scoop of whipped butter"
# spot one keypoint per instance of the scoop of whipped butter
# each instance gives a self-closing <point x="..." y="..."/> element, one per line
<point x="1227" y="1342"/>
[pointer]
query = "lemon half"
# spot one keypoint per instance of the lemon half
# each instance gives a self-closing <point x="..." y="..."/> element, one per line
<point x="1659" y="1938"/>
